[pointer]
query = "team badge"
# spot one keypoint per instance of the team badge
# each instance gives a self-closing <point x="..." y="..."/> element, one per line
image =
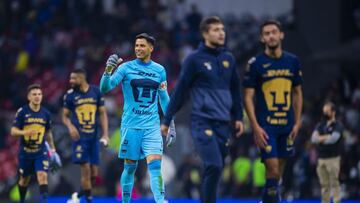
<point x="208" y="65"/>
<point x="208" y="132"/>
<point x="163" y="86"/>
<point x="226" y="64"/>
<point x="78" y="148"/>
<point x="268" y="149"/>
<point x="290" y="141"/>
<point x="46" y="165"/>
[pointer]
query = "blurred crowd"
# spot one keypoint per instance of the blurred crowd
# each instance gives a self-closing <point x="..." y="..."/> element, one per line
<point x="42" y="40"/>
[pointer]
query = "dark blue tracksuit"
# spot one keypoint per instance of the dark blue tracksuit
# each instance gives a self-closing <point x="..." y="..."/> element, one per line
<point x="211" y="78"/>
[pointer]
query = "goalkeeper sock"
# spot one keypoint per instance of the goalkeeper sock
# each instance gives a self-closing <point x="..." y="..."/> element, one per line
<point x="156" y="181"/>
<point x="271" y="191"/>
<point x="22" y="191"/>
<point x="43" y="193"/>
<point x="127" y="181"/>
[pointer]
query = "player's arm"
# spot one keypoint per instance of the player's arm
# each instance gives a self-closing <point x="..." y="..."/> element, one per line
<point x="249" y="106"/>
<point x="67" y="122"/>
<point x="50" y="140"/>
<point x="163" y="93"/>
<point x="260" y="135"/>
<point x="66" y="117"/>
<point x="180" y="91"/>
<point x="250" y="82"/>
<point x="18" y="124"/>
<point x="104" y="125"/>
<point x="16" y="132"/>
<point x="297" y="98"/>
<point x="297" y="102"/>
<point x="164" y="101"/>
<point x="108" y="81"/>
<point x="237" y="109"/>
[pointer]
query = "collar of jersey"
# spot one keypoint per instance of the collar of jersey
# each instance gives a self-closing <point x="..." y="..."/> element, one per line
<point x="215" y="51"/>
<point x="138" y="61"/>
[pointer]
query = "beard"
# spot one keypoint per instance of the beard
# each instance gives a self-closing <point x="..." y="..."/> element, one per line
<point x="273" y="46"/>
<point x="76" y="87"/>
<point x="217" y="44"/>
<point x="326" y="117"/>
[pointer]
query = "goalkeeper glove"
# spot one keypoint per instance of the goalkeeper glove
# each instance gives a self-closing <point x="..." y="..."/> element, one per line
<point x="171" y="136"/>
<point x="54" y="159"/>
<point x="111" y="63"/>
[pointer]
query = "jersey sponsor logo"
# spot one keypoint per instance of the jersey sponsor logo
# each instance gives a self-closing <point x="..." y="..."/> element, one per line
<point x="145" y="74"/>
<point x="85" y="100"/>
<point x="278" y="73"/>
<point x="141" y="112"/>
<point x="35" y="120"/>
<point x="226" y="64"/>
<point x="207" y="65"/>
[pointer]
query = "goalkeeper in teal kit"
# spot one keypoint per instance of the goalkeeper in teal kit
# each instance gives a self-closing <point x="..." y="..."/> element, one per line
<point x="143" y="84"/>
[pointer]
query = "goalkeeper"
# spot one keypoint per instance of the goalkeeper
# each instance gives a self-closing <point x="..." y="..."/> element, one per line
<point x="143" y="84"/>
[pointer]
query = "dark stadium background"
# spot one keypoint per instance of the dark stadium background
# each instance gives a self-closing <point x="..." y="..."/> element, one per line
<point x="42" y="40"/>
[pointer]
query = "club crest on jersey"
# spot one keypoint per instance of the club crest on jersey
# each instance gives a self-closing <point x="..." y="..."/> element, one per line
<point x="268" y="149"/>
<point x="207" y="65"/>
<point x="208" y="132"/>
<point x="163" y="85"/>
<point x="226" y="64"/>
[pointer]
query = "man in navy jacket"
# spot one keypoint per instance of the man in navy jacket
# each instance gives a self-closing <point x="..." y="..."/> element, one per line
<point x="210" y="75"/>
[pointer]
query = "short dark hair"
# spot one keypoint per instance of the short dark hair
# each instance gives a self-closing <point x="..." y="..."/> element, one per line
<point x="79" y="71"/>
<point x="147" y="37"/>
<point x="206" y="22"/>
<point x="271" y="22"/>
<point x="331" y="104"/>
<point x="32" y="87"/>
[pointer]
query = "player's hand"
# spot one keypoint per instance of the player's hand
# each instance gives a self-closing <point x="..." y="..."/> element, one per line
<point x="171" y="135"/>
<point x="29" y="133"/>
<point x="260" y="137"/>
<point x="239" y="127"/>
<point x="112" y="63"/>
<point x="74" y="133"/>
<point x="295" y="131"/>
<point x="164" y="130"/>
<point x="55" y="162"/>
<point x="105" y="140"/>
